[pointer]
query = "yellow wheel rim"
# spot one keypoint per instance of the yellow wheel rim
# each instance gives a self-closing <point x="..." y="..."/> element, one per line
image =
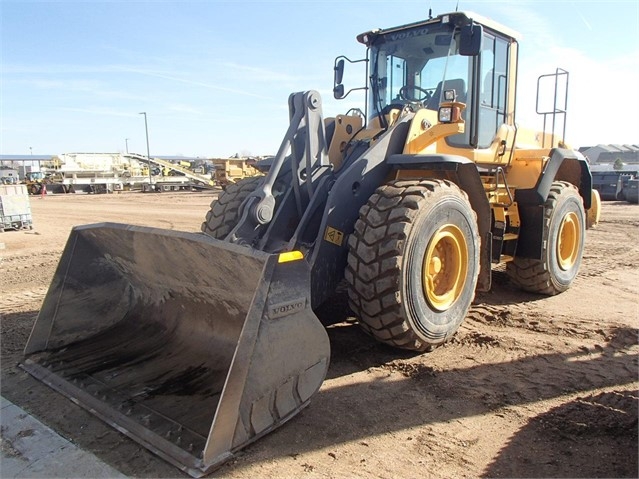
<point x="445" y="267"/>
<point x="568" y="241"/>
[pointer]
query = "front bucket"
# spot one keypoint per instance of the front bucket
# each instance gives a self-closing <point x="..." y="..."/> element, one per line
<point x="191" y="346"/>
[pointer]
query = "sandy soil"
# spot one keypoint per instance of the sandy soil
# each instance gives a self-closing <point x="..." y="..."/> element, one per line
<point x="529" y="387"/>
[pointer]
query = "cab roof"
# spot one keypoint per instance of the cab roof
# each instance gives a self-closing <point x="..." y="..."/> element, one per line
<point x="457" y="18"/>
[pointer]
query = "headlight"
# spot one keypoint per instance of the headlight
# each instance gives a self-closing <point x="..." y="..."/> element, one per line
<point x="449" y="114"/>
<point x="445" y="114"/>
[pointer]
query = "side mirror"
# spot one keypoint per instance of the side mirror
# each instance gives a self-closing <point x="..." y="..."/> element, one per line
<point x="339" y="91"/>
<point x="338" y="88"/>
<point x="339" y="71"/>
<point x="470" y="40"/>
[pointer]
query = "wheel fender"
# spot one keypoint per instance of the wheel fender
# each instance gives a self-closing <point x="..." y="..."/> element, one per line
<point x="563" y="165"/>
<point x="463" y="172"/>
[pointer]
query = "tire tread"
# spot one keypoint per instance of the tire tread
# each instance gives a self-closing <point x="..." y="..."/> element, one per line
<point x="376" y="255"/>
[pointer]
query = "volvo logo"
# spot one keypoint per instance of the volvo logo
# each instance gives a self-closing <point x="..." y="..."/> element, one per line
<point x="284" y="309"/>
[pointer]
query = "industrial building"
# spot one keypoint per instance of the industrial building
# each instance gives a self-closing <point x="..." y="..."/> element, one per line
<point x="608" y="154"/>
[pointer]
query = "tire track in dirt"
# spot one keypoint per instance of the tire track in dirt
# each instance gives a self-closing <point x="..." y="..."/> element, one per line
<point x="22" y="301"/>
<point x="17" y="264"/>
<point x="601" y="428"/>
<point x="521" y="317"/>
<point x="15" y="329"/>
<point x="167" y="224"/>
<point x="489" y="371"/>
<point x="608" y="248"/>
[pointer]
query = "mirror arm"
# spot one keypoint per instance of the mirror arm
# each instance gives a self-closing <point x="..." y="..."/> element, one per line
<point x="338" y="69"/>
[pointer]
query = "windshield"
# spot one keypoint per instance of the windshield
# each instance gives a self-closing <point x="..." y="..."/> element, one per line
<point x="417" y="65"/>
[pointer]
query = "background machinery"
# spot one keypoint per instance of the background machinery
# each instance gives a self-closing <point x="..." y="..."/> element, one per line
<point x="196" y="344"/>
<point x="35" y="181"/>
<point x="15" y="209"/>
<point x="231" y="170"/>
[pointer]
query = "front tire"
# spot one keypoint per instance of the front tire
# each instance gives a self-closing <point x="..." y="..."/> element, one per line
<point x="413" y="263"/>
<point x="225" y="210"/>
<point x="562" y="245"/>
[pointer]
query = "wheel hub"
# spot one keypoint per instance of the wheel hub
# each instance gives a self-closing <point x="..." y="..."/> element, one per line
<point x="435" y="265"/>
<point x="568" y="241"/>
<point x="445" y="267"/>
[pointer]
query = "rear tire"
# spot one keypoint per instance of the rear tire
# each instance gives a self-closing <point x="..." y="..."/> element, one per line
<point x="594" y="213"/>
<point x="562" y="245"/>
<point x="224" y="213"/>
<point x="413" y="263"/>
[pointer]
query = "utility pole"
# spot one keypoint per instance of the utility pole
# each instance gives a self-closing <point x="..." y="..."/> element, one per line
<point x="148" y="154"/>
<point x="126" y="141"/>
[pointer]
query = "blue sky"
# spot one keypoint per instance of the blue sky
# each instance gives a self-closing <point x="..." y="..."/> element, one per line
<point x="214" y="76"/>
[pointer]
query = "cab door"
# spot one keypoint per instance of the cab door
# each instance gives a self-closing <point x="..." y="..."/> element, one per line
<point x="493" y="134"/>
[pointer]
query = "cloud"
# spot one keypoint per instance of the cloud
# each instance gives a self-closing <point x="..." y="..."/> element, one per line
<point x="100" y="111"/>
<point x="600" y="91"/>
<point x="583" y="19"/>
<point x="180" y="108"/>
<point x="199" y="83"/>
<point x="261" y="75"/>
<point x="62" y="68"/>
<point x="92" y="87"/>
<point x="602" y="94"/>
<point x="150" y="71"/>
<point x="535" y="28"/>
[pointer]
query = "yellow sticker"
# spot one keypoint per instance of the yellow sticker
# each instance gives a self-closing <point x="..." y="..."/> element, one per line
<point x="334" y="236"/>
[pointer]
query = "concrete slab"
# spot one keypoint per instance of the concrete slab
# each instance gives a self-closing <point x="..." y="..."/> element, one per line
<point x="30" y="449"/>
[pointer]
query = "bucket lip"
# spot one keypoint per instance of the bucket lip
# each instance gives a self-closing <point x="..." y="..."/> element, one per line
<point x="195" y="236"/>
<point x="183" y="460"/>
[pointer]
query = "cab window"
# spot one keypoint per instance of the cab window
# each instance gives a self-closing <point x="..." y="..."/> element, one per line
<point x="493" y="89"/>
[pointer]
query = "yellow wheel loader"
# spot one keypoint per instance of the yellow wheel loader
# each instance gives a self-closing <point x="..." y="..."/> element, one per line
<point x="35" y="181"/>
<point x="197" y="344"/>
<point x="231" y="170"/>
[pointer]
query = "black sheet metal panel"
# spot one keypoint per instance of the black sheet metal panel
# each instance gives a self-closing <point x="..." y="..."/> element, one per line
<point x="191" y="346"/>
<point x="631" y="190"/>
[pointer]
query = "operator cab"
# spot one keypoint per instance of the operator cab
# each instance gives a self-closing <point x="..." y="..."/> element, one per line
<point x="34" y="176"/>
<point x="415" y="64"/>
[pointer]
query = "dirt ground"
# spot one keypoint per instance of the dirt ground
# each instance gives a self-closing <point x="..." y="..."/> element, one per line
<point x="530" y="386"/>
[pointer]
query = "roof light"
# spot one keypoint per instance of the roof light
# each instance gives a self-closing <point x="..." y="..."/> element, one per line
<point x="450" y="95"/>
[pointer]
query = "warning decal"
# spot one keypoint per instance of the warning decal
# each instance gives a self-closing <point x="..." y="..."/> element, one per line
<point x="334" y="236"/>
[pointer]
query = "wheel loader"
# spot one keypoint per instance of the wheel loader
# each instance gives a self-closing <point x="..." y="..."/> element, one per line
<point x="35" y="181"/>
<point x="197" y="344"/>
